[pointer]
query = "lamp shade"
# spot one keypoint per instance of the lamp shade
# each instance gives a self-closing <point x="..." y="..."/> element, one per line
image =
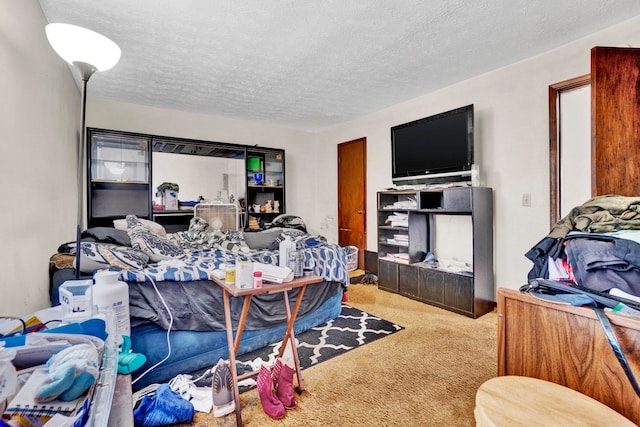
<point x="77" y="44"/>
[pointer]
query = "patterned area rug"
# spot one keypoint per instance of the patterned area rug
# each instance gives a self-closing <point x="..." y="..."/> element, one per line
<point x="352" y="329"/>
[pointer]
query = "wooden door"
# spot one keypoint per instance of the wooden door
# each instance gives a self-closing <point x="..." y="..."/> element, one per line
<point x="352" y="200"/>
<point x="615" y="121"/>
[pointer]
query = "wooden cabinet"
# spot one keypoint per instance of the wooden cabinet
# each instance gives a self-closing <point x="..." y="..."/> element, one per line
<point x="265" y="184"/>
<point x="402" y="247"/>
<point x="566" y="345"/>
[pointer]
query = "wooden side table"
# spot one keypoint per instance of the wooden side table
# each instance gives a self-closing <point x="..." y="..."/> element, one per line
<point x="523" y="401"/>
<point x="291" y="314"/>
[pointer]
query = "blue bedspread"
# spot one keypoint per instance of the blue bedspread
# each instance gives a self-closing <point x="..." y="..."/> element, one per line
<point x="330" y="263"/>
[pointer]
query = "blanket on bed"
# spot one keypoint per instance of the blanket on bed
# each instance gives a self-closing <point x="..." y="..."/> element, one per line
<point x="193" y="255"/>
<point x="329" y="262"/>
<point x="175" y="269"/>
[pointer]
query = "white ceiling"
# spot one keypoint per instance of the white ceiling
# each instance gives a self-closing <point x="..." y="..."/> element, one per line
<point x="311" y="65"/>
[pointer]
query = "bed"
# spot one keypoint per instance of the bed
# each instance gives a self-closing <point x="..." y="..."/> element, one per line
<point x="169" y="288"/>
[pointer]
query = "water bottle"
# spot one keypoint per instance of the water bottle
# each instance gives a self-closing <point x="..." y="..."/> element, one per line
<point x="110" y="293"/>
<point x="284" y="248"/>
<point x="295" y="263"/>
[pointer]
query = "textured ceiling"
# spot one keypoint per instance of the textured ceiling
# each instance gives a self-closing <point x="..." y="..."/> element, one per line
<point x="311" y="65"/>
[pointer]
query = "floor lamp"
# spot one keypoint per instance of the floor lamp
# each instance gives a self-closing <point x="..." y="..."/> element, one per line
<point x="88" y="52"/>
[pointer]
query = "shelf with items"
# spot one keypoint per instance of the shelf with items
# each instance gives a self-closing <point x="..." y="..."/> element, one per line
<point x="394" y="241"/>
<point x="265" y="168"/>
<point x="265" y="184"/>
<point x="469" y="292"/>
<point x="266" y="187"/>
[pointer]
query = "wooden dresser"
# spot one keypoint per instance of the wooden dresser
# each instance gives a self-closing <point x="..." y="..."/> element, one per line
<point x="566" y="345"/>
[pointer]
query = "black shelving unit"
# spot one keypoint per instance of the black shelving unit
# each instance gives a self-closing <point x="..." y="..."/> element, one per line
<point x="470" y="294"/>
<point x="119" y="166"/>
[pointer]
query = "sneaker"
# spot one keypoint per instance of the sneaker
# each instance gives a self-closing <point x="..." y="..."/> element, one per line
<point x="222" y="390"/>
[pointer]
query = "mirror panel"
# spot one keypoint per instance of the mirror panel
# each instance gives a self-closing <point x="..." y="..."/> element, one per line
<point x="213" y="178"/>
<point x="212" y="170"/>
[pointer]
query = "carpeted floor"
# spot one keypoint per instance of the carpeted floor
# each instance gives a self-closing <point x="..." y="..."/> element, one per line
<point x="426" y="374"/>
<point x="352" y="329"/>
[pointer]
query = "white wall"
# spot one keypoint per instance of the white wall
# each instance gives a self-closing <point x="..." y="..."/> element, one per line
<point x="39" y="121"/>
<point x="511" y="107"/>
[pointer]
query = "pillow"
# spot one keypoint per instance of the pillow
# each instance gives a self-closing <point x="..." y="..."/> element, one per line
<point x="158" y="248"/>
<point x="107" y="235"/>
<point x="121" y="224"/>
<point x="96" y="256"/>
<point x="261" y="239"/>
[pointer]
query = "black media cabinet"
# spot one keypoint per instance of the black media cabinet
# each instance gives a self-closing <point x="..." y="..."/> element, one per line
<point x="470" y="294"/>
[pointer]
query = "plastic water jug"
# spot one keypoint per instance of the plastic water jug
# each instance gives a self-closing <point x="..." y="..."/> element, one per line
<point x="110" y="293"/>
<point x="286" y="246"/>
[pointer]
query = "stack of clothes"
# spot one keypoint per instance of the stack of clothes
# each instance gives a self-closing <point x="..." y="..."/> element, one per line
<point x="597" y="246"/>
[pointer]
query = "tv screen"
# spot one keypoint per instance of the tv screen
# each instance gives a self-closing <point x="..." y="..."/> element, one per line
<point x="439" y="144"/>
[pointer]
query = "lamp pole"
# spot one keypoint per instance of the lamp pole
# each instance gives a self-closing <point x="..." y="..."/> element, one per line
<point x="86" y="71"/>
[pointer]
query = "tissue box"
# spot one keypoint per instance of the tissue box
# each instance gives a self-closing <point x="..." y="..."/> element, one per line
<point x="170" y="199"/>
<point x="76" y="298"/>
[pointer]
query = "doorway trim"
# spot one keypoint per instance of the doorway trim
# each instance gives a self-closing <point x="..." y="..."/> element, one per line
<point x="555" y="142"/>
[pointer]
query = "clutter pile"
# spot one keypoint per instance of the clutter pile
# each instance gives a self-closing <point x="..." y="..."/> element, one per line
<point x="49" y="369"/>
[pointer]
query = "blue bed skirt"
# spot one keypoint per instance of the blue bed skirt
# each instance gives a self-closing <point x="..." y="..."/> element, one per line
<point x="192" y="351"/>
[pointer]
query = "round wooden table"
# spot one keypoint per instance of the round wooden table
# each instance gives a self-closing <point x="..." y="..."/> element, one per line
<point x="523" y="401"/>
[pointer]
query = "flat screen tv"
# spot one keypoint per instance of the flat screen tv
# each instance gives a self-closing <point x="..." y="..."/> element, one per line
<point x="434" y="146"/>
